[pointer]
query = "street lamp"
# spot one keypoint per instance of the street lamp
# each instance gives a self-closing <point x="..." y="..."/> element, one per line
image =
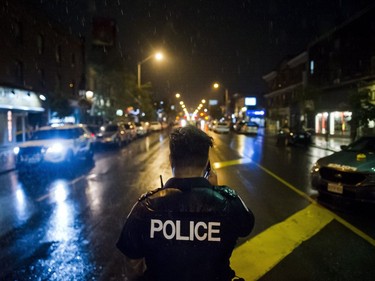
<point x="226" y="97"/>
<point x="158" y="56"/>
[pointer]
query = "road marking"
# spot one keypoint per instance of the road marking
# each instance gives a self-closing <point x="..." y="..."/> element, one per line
<point x="354" y="229"/>
<point x="265" y="250"/>
<point x="219" y="165"/>
<point x="261" y="253"/>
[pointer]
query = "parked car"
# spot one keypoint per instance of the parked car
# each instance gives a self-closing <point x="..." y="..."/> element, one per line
<point x="130" y="130"/>
<point x="112" y="135"/>
<point x="142" y="128"/>
<point x="348" y="174"/>
<point x="246" y="127"/>
<point x="94" y="129"/>
<point x="211" y="124"/>
<point x="155" y="126"/>
<point x="55" y="145"/>
<point x="221" y="127"/>
<point x="293" y="137"/>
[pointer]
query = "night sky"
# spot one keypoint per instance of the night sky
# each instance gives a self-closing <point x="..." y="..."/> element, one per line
<point x="234" y="42"/>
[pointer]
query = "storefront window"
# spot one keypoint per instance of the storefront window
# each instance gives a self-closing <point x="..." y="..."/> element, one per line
<point x="334" y="123"/>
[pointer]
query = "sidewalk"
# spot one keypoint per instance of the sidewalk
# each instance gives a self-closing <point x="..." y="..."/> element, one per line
<point x="332" y="143"/>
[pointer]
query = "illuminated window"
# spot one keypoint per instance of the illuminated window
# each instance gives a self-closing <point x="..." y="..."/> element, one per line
<point x="312" y="67"/>
<point x="10" y="126"/>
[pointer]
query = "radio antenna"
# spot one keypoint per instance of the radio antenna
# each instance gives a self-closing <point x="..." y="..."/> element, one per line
<point x="161" y="181"/>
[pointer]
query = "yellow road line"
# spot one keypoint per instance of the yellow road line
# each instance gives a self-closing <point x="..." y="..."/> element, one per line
<point x="264" y="251"/>
<point x="219" y="165"/>
<point x="296" y="190"/>
<point x="260" y="254"/>
<point x="336" y="217"/>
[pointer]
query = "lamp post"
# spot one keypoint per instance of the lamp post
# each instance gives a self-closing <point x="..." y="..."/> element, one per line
<point x="157" y="56"/>
<point x="226" y="97"/>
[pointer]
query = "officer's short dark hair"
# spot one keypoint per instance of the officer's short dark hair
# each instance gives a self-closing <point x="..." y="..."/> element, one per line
<point x="189" y="146"/>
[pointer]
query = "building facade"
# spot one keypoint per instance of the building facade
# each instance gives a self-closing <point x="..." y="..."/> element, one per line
<point x="285" y="99"/>
<point x="341" y="63"/>
<point x="40" y="64"/>
<point x="315" y="88"/>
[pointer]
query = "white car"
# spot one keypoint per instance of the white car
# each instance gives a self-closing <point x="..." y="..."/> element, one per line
<point x="221" y="127"/>
<point x="113" y="135"/>
<point x="142" y="128"/>
<point x="55" y="145"/>
<point x="155" y="126"/>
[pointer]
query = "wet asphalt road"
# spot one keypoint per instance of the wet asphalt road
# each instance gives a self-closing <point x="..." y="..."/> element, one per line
<point x="63" y="225"/>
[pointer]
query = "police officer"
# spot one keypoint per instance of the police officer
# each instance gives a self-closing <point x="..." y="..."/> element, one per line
<point x="187" y="229"/>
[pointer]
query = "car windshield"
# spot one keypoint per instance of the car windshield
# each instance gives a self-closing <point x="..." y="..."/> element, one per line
<point x="54" y="134"/>
<point x="365" y="144"/>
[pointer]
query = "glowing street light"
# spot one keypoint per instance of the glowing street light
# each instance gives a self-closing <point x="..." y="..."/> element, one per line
<point x="158" y="56"/>
<point x="226" y="97"/>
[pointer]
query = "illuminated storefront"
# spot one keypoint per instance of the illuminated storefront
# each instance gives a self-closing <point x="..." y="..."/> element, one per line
<point x="15" y="105"/>
<point x="333" y="123"/>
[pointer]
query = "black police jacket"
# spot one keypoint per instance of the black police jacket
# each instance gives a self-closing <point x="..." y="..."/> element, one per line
<point x="186" y="230"/>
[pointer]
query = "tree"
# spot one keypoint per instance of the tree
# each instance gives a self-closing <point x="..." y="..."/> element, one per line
<point x="60" y="106"/>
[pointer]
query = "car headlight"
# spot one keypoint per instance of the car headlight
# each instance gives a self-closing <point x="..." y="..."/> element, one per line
<point x="55" y="149"/>
<point x="315" y="168"/>
<point x="16" y="150"/>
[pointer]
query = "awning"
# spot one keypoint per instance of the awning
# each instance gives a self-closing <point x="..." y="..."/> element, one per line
<point x="17" y="99"/>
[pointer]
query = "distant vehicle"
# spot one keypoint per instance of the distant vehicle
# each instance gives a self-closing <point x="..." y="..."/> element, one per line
<point x="112" y="135"/>
<point x="94" y="129"/>
<point x="155" y="126"/>
<point x="246" y="127"/>
<point x="55" y="145"/>
<point x="348" y="174"/>
<point x="211" y="124"/>
<point x="131" y="131"/>
<point x="221" y="127"/>
<point x="293" y="137"/>
<point x="142" y="128"/>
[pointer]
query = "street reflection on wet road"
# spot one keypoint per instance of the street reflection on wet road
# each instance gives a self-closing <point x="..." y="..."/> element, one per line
<point x="64" y="227"/>
<point x="42" y="226"/>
